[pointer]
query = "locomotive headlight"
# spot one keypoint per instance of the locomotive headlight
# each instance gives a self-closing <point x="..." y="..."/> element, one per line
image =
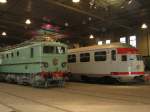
<point x="64" y="64"/>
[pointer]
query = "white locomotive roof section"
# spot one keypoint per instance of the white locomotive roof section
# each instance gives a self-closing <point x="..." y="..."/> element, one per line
<point x="96" y="47"/>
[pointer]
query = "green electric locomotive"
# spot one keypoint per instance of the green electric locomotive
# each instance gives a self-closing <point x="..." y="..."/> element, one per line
<point x="39" y="63"/>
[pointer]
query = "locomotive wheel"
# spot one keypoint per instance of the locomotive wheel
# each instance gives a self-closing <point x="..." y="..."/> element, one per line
<point x="61" y="83"/>
<point x="37" y="81"/>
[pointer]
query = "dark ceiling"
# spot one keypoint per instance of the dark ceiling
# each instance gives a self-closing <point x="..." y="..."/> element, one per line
<point x="81" y="19"/>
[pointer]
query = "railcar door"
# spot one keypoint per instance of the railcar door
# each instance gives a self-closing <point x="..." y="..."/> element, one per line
<point x="113" y="61"/>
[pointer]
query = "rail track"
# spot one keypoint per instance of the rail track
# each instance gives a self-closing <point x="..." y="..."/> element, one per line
<point x="125" y="97"/>
<point x="34" y="101"/>
<point x="13" y="109"/>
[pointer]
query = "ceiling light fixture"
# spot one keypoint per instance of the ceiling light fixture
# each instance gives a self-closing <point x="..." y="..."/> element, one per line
<point x="3" y="1"/>
<point x="92" y="4"/>
<point x="28" y="21"/>
<point x="66" y="24"/>
<point x="4" y="33"/>
<point x="91" y="36"/>
<point x="75" y="1"/>
<point x="122" y="7"/>
<point x="130" y="1"/>
<point x="100" y="42"/>
<point x="89" y="18"/>
<point x="144" y="26"/>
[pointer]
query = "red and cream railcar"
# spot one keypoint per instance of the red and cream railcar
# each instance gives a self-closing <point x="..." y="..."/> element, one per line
<point x="119" y="61"/>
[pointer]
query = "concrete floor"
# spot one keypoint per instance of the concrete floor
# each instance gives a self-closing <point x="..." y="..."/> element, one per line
<point x="75" y="97"/>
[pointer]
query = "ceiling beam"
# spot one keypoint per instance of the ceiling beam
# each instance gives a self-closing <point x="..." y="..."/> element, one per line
<point x="85" y="13"/>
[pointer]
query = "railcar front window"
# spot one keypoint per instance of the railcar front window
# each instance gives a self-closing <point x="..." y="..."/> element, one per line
<point x="48" y="49"/>
<point x="139" y="58"/>
<point x="60" y="50"/>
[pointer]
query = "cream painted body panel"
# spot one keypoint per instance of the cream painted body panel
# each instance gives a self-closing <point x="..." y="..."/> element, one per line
<point x="103" y="68"/>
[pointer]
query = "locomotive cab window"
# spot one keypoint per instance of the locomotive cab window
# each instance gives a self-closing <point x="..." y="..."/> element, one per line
<point x="84" y="57"/>
<point x="113" y="55"/>
<point x="72" y="58"/>
<point x="100" y="56"/>
<point x="48" y="49"/>
<point x="60" y="50"/>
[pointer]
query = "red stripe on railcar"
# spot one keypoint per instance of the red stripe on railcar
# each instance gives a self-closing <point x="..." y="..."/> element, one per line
<point x="127" y="50"/>
<point x="127" y="73"/>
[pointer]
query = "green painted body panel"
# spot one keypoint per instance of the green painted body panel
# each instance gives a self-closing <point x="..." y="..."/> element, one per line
<point x="24" y="63"/>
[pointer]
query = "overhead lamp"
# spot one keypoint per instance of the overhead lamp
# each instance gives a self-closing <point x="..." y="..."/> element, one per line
<point x="75" y="1"/>
<point x="4" y="33"/>
<point x="100" y="42"/>
<point x="89" y="18"/>
<point x="130" y="1"/>
<point x="66" y="24"/>
<point x="28" y="21"/>
<point x="3" y="1"/>
<point x="144" y="26"/>
<point x="122" y="7"/>
<point x="91" y="36"/>
<point x="108" y="41"/>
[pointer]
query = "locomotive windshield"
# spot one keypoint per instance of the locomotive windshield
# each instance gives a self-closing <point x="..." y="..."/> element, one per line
<point x="48" y="49"/>
<point x="60" y="50"/>
<point x="54" y="49"/>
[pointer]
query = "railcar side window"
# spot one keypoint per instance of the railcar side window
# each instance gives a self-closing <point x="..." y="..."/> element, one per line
<point x="124" y="58"/>
<point x="100" y="56"/>
<point x="84" y="57"/>
<point x="17" y="53"/>
<point x="48" y="49"/>
<point x="72" y="58"/>
<point x="60" y="50"/>
<point x="113" y="55"/>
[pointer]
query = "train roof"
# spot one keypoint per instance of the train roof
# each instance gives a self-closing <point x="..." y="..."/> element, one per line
<point x="104" y="46"/>
<point x="32" y="42"/>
